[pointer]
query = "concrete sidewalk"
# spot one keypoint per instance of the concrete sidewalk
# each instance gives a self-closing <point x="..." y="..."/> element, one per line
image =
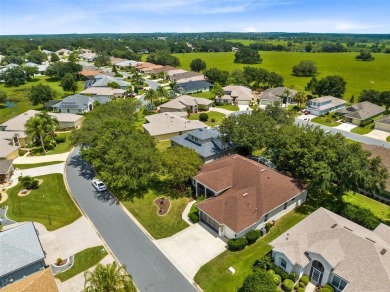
<point x="221" y="110"/>
<point x="41" y="159"/>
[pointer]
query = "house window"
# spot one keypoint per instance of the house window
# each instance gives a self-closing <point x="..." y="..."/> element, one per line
<point x="283" y="263"/>
<point x="285" y="206"/>
<point x="338" y="283"/>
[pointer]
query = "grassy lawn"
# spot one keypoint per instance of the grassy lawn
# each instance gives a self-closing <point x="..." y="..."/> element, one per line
<point x="26" y="166"/>
<point x="229" y="107"/>
<point x="212" y="115"/>
<point x="145" y="210"/>
<point x="19" y="96"/>
<point x="380" y="210"/>
<point x="60" y="147"/>
<point x="326" y="121"/>
<point x="50" y="204"/>
<point x="83" y="260"/>
<point x="363" y="130"/>
<point x="214" y="276"/>
<point x="359" y="75"/>
<point x="163" y="145"/>
<point x="205" y="94"/>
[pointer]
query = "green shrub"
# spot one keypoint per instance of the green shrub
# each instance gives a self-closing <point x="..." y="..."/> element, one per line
<point x="325" y="290"/>
<point x="300" y="289"/>
<point x="264" y="263"/>
<point x="288" y="285"/>
<point x="305" y="279"/>
<point x="277" y="279"/>
<point x="252" y="236"/>
<point x="293" y="276"/>
<point x="237" y="244"/>
<point x="60" y="139"/>
<point x="194" y="217"/>
<point x="282" y="273"/>
<point x="329" y="287"/>
<point x="301" y="284"/>
<point x="213" y="120"/>
<point x="203" y="117"/>
<point x="271" y="272"/>
<point x="363" y="217"/>
<point x="268" y="226"/>
<point x="28" y="182"/>
<point x="258" y="281"/>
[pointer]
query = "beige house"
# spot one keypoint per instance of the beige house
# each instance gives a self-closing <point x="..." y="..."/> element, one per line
<point x="361" y="112"/>
<point x="186" y="76"/>
<point x="331" y="249"/>
<point x="243" y="195"/>
<point x="186" y="103"/>
<point x="383" y="124"/>
<point x="163" y="126"/>
<point x="277" y="94"/>
<point x="325" y="104"/>
<point x="6" y="170"/>
<point x="104" y="92"/>
<point x="237" y="94"/>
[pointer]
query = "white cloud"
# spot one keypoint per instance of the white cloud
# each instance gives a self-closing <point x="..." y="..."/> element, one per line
<point x="354" y="26"/>
<point x="250" y="29"/>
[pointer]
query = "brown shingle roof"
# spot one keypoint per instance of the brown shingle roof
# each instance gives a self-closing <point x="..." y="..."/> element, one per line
<point x="253" y="191"/>
<point x="42" y="281"/>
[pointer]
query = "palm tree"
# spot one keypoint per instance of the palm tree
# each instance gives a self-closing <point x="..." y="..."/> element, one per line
<point x="108" y="278"/>
<point x="150" y="95"/>
<point x="218" y="92"/>
<point x="286" y="93"/>
<point x="161" y="92"/>
<point x="300" y="97"/>
<point x="41" y="126"/>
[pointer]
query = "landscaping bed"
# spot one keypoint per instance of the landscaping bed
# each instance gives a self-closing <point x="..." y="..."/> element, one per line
<point x="214" y="118"/>
<point x="163" y="206"/>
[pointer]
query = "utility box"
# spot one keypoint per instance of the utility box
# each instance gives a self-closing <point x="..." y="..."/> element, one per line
<point x="232" y="270"/>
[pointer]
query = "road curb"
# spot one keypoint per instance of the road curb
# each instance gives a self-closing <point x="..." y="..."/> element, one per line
<point x="84" y="214"/>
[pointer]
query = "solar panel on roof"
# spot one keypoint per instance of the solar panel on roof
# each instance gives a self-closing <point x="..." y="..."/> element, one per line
<point x="68" y="104"/>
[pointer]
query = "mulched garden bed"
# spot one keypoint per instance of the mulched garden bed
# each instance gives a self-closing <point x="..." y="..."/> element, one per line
<point x="163" y="205"/>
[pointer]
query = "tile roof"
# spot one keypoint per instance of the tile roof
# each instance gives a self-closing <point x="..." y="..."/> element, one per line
<point x="362" y="110"/>
<point x="5" y="165"/>
<point x="103" y="80"/>
<point x="163" y="69"/>
<point x="90" y="72"/>
<point x="185" y="100"/>
<point x="42" y="281"/>
<point x="276" y="93"/>
<point x="238" y="92"/>
<point x="185" y="75"/>
<point x="384" y="154"/>
<point x="167" y="123"/>
<point x="176" y="71"/>
<point x="19" y="247"/>
<point x="252" y="190"/>
<point x="353" y="251"/>
<point x="334" y="101"/>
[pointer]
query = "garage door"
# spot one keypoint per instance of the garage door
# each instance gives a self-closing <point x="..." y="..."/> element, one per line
<point x="209" y="221"/>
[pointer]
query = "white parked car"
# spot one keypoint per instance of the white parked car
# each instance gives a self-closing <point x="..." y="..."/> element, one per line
<point x="99" y="185"/>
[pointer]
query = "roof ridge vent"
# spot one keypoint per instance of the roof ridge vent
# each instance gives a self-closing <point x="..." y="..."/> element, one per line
<point x="245" y="194"/>
<point x="262" y="170"/>
<point x="334" y="225"/>
<point x="348" y="228"/>
<point x="383" y="251"/>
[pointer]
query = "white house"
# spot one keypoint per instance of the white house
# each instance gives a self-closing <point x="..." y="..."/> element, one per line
<point x="331" y="249"/>
<point x="243" y="195"/>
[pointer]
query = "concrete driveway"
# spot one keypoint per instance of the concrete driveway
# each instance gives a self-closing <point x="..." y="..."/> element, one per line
<point x="191" y="248"/>
<point x="220" y="110"/>
<point x="345" y="127"/>
<point x="377" y="134"/>
<point x="40" y="159"/>
<point x="68" y="240"/>
<point x="305" y="117"/>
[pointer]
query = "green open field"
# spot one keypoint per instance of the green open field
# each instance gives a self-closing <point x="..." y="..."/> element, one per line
<point x="19" y="95"/>
<point x="359" y="75"/>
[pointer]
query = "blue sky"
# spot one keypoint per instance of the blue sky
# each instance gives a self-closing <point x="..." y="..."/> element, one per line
<point x="118" y="16"/>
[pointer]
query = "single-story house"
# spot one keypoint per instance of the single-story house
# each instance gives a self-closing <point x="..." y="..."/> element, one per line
<point x="16" y="124"/>
<point x="21" y="253"/>
<point x="103" y="80"/>
<point x="277" y="94"/>
<point x="63" y="52"/>
<point x="42" y="281"/>
<point x="90" y="72"/>
<point x="322" y="105"/>
<point x="7" y="149"/>
<point x="243" y="195"/>
<point x="237" y="94"/>
<point x="41" y="68"/>
<point x="8" y="66"/>
<point x="333" y="250"/>
<point x="384" y="154"/>
<point x="74" y="104"/>
<point x="47" y="52"/>
<point x="104" y="92"/>
<point x="126" y="63"/>
<point x="6" y="170"/>
<point x="383" y="124"/>
<point x="114" y="60"/>
<point x="88" y="56"/>
<point x="193" y="86"/>
<point x="163" y="126"/>
<point x="147" y="67"/>
<point x="186" y="103"/>
<point x="206" y="142"/>
<point x="361" y="112"/>
<point x="175" y="72"/>
<point x="186" y="75"/>
<point x="163" y="69"/>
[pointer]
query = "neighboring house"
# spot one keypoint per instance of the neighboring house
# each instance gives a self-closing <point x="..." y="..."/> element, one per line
<point x="41" y="68"/>
<point x="47" y="52"/>
<point x="74" y="104"/>
<point x="90" y="72"/>
<point x="8" y="66"/>
<point x="103" y="80"/>
<point x="166" y="125"/>
<point x="237" y="94"/>
<point x="6" y="170"/>
<point x="361" y="112"/>
<point x="383" y="124"/>
<point x="243" y="195"/>
<point x="322" y="105"/>
<point x="331" y="249"/>
<point x="63" y="52"/>
<point x="16" y="124"/>
<point x="107" y="92"/>
<point x="8" y="150"/>
<point x="146" y="67"/>
<point x="163" y="69"/>
<point x="88" y="56"/>
<point x="193" y="87"/>
<point x="186" y="103"/>
<point x="126" y="63"/>
<point x="175" y="72"/>
<point x="206" y="142"/>
<point x="277" y="94"/>
<point x="186" y="75"/>
<point x="42" y="281"/>
<point x="115" y="61"/>
<point x="21" y="253"/>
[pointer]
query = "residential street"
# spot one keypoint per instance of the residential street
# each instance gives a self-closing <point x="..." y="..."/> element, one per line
<point x="152" y="84"/>
<point x="150" y="269"/>
<point x="348" y="135"/>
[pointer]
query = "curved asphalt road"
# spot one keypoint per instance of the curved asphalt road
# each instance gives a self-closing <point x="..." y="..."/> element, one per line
<point x="150" y="269"/>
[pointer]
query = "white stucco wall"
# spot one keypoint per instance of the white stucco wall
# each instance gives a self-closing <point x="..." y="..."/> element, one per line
<point x="277" y="256"/>
<point x="327" y="267"/>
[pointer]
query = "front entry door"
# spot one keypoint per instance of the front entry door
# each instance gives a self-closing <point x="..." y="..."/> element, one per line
<point x="316" y="275"/>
